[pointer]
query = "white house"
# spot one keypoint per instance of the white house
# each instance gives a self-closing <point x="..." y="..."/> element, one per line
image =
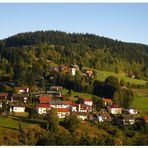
<point x="115" y="109"/>
<point x="17" y="109"/>
<point x="63" y="112"/>
<point x="103" y="117"/>
<point x="88" y="101"/>
<point x="73" y="108"/>
<point x="84" y="108"/>
<point x="131" y="111"/>
<point x="82" y="115"/>
<point x="73" y="71"/>
<point x="43" y="108"/>
<point x="22" y="89"/>
<point x="127" y="119"/>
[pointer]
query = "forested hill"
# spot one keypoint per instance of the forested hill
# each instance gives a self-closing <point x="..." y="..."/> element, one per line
<point x="83" y="49"/>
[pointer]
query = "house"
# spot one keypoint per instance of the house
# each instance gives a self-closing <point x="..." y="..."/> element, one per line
<point x="84" y="108"/>
<point x="21" y="90"/>
<point x="44" y="99"/>
<point x="73" y="107"/>
<point x="19" y="97"/>
<point x="82" y="115"/>
<point x="107" y="101"/>
<point x="73" y="69"/>
<point x="128" y="120"/>
<point x="146" y="119"/>
<point x="56" y="103"/>
<point x="89" y="73"/>
<point x="103" y="116"/>
<point x="56" y="88"/>
<point x="53" y="70"/>
<point x="115" y="109"/>
<point x="3" y="96"/>
<point x="18" y="108"/>
<point x="43" y="108"/>
<point x="63" y="112"/>
<point x="88" y="101"/>
<point x="68" y="103"/>
<point x="54" y="93"/>
<point x="130" y="111"/>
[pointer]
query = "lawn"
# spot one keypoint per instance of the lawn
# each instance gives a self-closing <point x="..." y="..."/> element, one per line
<point x="140" y="100"/>
<point x="12" y="122"/>
<point x="102" y="75"/>
<point x="140" y="103"/>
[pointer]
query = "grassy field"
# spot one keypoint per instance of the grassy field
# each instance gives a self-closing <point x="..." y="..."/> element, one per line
<point x="140" y="100"/>
<point x="102" y="75"/>
<point x="12" y="122"/>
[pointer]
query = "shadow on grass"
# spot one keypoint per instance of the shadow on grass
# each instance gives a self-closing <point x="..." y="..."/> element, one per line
<point x="42" y="124"/>
<point x="9" y="128"/>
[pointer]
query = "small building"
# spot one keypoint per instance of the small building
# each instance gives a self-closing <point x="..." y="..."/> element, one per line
<point x="56" y="103"/>
<point x="146" y="119"/>
<point x="44" y="99"/>
<point x="63" y="112"/>
<point x="19" y="109"/>
<point x="56" y="88"/>
<point x="115" y="109"/>
<point x="19" y="97"/>
<point x="102" y="117"/>
<point x="107" y="101"/>
<point x="89" y="73"/>
<point x="82" y="115"/>
<point x="73" y="107"/>
<point x="54" y="93"/>
<point x="3" y="96"/>
<point x="130" y="111"/>
<point x="88" y="101"/>
<point x="21" y="90"/>
<point x="43" y="108"/>
<point x="84" y="108"/>
<point x="128" y="120"/>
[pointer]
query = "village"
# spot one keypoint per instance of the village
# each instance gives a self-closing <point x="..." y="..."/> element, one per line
<point x="84" y="110"/>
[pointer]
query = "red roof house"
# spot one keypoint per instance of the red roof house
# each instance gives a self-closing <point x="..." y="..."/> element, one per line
<point x="45" y="99"/>
<point x="107" y="101"/>
<point x="3" y="95"/>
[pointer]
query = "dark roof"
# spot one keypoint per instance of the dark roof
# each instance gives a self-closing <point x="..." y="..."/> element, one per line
<point x="19" y="95"/>
<point x="56" y="102"/>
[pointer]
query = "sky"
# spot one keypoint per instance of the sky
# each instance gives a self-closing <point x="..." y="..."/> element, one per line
<point x="127" y="22"/>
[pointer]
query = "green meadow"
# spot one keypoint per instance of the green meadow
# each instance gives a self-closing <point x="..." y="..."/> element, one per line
<point x="102" y="75"/>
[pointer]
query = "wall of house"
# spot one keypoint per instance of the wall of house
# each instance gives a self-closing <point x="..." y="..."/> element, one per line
<point x="18" y="109"/>
<point x="63" y="114"/>
<point x="42" y="110"/>
<point x="88" y="103"/>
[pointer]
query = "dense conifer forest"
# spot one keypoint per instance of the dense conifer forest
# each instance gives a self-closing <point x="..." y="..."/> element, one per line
<point x="82" y="49"/>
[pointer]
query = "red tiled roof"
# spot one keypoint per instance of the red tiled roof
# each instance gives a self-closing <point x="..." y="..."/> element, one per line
<point x="107" y="100"/>
<point x="145" y="118"/>
<point x="43" y="106"/>
<point x="68" y="102"/>
<point x="87" y="99"/>
<point x="63" y="110"/>
<point x="45" y="98"/>
<point x="3" y="94"/>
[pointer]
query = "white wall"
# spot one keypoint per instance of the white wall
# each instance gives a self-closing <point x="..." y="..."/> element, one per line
<point x="18" y="109"/>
